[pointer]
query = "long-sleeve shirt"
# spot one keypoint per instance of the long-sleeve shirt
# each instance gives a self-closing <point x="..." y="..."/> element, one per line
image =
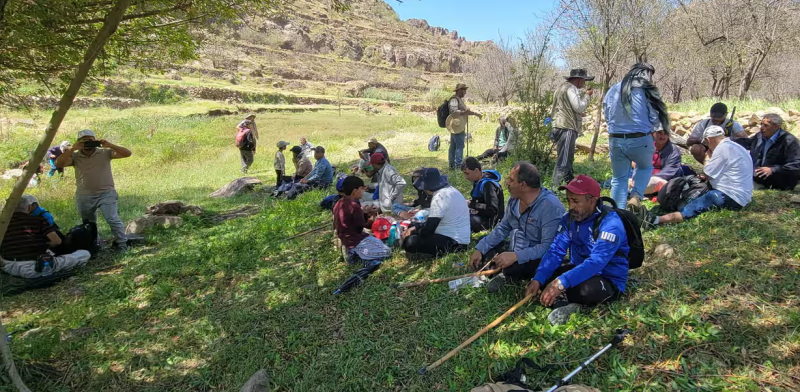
<point x="323" y="172"/>
<point x="531" y="231"/>
<point x="487" y="197"/>
<point x="643" y="118"/>
<point x="390" y="188"/>
<point x="669" y="159"/>
<point x="302" y="165"/>
<point x="607" y="256"/>
<point x="578" y="104"/>
<point x="280" y="161"/>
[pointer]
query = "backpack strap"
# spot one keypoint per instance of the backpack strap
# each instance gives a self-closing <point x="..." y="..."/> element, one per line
<point x="604" y="210"/>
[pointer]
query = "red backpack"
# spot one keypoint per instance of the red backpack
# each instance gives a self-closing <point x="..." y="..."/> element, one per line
<point x="243" y="138"/>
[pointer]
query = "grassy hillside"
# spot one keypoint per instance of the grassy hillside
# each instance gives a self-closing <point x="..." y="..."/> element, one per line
<point x="203" y="306"/>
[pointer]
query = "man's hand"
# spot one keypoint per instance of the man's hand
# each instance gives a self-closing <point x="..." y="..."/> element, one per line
<point x="473" y="211"/>
<point x="476" y="260"/>
<point x="589" y="91"/>
<point x="550" y="293"/>
<point x="505" y="259"/>
<point x="408" y="231"/>
<point x="702" y="177"/>
<point x="534" y="287"/>
<point x="105" y="143"/>
<point x="366" y="209"/>
<point x="763" y="172"/>
<point x="405" y="215"/>
<point x="303" y="181"/>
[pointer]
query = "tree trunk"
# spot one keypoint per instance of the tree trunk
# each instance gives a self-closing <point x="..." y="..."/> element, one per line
<point x="750" y="76"/>
<point x="110" y="26"/>
<point x="598" y="117"/>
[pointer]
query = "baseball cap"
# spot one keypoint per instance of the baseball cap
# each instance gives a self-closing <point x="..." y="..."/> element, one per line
<point x="319" y="149"/>
<point x="713" y="131"/>
<point x="582" y="185"/>
<point x="372" y="140"/>
<point x="377" y="158"/>
<point x="86" y="132"/>
<point x="718" y="110"/>
<point x="381" y="228"/>
<point x="282" y="144"/>
<point x="26" y="201"/>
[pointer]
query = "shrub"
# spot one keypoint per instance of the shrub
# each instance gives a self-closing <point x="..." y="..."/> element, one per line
<point x="435" y="96"/>
<point x="383" y="95"/>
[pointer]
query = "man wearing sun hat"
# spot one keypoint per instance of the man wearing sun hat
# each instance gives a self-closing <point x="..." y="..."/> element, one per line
<point x="729" y="171"/>
<point x="597" y="271"/>
<point x="374" y="148"/>
<point x="567" y="111"/>
<point x="95" y="182"/>
<point x="457" y="123"/>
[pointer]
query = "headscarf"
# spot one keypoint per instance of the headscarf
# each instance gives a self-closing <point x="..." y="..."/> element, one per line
<point x="640" y="76"/>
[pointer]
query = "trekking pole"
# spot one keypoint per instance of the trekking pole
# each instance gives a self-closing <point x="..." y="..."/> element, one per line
<point x="476" y="336"/>
<point x="440" y="280"/>
<point x="467" y="136"/>
<point x="618" y="338"/>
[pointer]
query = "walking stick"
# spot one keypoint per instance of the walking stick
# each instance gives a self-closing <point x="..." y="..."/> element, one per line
<point x="467" y="135"/>
<point x="618" y="338"/>
<point x="476" y="336"/>
<point x="440" y="280"/>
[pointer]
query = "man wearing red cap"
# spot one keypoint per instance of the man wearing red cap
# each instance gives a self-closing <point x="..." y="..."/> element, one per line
<point x="390" y="183"/>
<point x="598" y="267"/>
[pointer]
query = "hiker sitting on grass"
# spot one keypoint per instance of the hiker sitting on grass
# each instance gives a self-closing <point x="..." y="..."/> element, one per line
<point x="349" y="221"/>
<point x="501" y="136"/>
<point x="374" y="148"/>
<point x="390" y="184"/>
<point x="25" y="246"/>
<point x="306" y="146"/>
<point x="322" y="175"/>
<point x="486" y="206"/>
<point x="776" y="155"/>
<point x="423" y="200"/>
<point x="598" y="268"/>
<point x="666" y="164"/>
<point x="280" y="164"/>
<point x="529" y="225"/>
<point x="302" y="165"/>
<point x="447" y="227"/>
<point x="718" y="116"/>
<point x="729" y="170"/>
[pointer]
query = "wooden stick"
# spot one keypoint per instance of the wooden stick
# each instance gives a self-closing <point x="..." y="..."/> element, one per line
<point x="476" y="336"/>
<point x="327" y="225"/>
<point x="440" y="280"/>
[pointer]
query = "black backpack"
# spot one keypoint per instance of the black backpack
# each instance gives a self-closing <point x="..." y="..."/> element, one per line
<point x="680" y="191"/>
<point x="442" y="113"/>
<point x="83" y="236"/>
<point x="632" y="231"/>
<point x="433" y="144"/>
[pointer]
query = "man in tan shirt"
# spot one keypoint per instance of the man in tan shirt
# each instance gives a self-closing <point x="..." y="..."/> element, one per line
<point x="458" y="108"/>
<point x="94" y="180"/>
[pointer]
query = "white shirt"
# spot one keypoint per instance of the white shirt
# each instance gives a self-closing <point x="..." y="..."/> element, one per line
<point x="451" y="206"/>
<point x="578" y="105"/>
<point x="731" y="170"/>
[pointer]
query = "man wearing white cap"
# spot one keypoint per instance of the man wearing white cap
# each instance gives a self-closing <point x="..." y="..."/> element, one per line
<point x="24" y="251"/>
<point x="53" y="153"/>
<point x="729" y="170"/>
<point x="95" y="182"/>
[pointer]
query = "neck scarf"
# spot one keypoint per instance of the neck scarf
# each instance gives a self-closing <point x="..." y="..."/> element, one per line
<point x="640" y="76"/>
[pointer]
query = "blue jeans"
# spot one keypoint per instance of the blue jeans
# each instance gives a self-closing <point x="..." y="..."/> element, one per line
<point x="712" y="199"/>
<point x="622" y="152"/>
<point x="398" y="208"/>
<point x="456" y="154"/>
<point x="54" y="169"/>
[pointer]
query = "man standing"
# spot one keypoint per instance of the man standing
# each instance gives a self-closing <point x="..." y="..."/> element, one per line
<point x="456" y="124"/>
<point x="729" y="170"/>
<point x="598" y="267"/>
<point x="486" y="206"/>
<point x="390" y="183"/>
<point x="776" y="155"/>
<point x="568" y="107"/>
<point x="374" y="148"/>
<point x="53" y="153"/>
<point x="24" y="248"/>
<point x="719" y="116"/>
<point x="251" y="119"/>
<point x="633" y="109"/>
<point x="95" y="182"/>
<point x="530" y="225"/>
<point x="247" y="146"/>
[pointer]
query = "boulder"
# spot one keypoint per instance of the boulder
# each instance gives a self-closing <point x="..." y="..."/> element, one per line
<point x="11" y="174"/>
<point x="664" y="251"/>
<point x="755" y="118"/>
<point x="173" y="208"/>
<point x="139" y="225"/>
<point x="686" y="123"/>
<point x="237" y="187"/>
<point x="795" y="200"/>
<point x="258" y="382"/>
<point x="692" y="113"/>
<point x="776" y="110"/>
<point x="675" y="116"/>
<point x="794" y="112"/>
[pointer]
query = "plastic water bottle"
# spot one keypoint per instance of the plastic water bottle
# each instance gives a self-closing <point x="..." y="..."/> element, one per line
<point x="47" y="270"/>
<point x="392" y="235"/>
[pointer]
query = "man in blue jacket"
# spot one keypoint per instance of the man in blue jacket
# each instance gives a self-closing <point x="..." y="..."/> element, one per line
<point x="530" y="224"/>
<point x="598" y="268"/>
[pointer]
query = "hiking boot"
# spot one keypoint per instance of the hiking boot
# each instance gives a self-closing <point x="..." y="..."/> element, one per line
<point x="496" y="283"/>
<point x="560" y="316"/>
<point x="648" y="219"/>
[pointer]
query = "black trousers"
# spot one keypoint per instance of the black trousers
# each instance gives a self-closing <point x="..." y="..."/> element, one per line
<point x="593" y="291"/>
<point x="281" y="178"/>
<point x="517" y="271"/>
<point x="479" y="223"/>
<point x="488" y="154"/>
<point x="783" y="182"/>
<point x="436" y="244"/>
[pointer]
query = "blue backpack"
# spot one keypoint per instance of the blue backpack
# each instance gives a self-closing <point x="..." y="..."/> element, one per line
<point x="433" y="144"/>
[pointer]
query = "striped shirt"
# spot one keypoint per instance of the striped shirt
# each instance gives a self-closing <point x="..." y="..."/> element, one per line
<point x="26" y="238"/>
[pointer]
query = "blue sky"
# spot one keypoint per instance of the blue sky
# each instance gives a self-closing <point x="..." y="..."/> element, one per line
<point x="478" y="20"/>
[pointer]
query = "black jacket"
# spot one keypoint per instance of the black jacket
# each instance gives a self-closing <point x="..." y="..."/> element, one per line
<point x="490" y="203"/>
<point x="783" y="157"/>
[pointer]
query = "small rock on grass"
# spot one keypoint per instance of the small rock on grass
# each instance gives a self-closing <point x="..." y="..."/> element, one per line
<point x="139" y="279"/>
<point x="795" y="199"/>
<point x="664" y="251"/>
<point x="258" y="382"/>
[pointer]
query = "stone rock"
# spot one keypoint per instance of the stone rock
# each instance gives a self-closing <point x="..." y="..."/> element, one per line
<point x="755" y="118"/>
<point x="11" y="174"/>
<point x="776" y="110"/>
<point x="686" y="123"/>
<point x="32" y="333"/>
<point x="795" y="199"/>
<point x="664" y="251"/>
<point x="173" y="207"/>
<point x="794" y="112"/>
<point x="258" y="382"/>
<point x="139" y="279"/>
<point x="237" y="187"/>
<point x="675" y="116"/>
<point x="139" y="225"/>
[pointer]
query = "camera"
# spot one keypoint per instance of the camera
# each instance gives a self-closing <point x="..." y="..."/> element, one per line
<point x="91" y="143"/>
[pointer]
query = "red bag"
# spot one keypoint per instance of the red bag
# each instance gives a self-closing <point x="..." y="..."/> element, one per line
<point x="244" y="138"/>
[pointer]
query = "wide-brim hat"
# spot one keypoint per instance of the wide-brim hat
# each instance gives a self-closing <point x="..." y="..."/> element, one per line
<point x="579" y="73"/>
<point x="431" y="180"/>
<point x="456" y="123"/>
<point x="461" y="86"/>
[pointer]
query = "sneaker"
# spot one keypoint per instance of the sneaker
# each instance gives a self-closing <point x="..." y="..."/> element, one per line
<point x="496" y="283"/>
<point x="560" y="316"/>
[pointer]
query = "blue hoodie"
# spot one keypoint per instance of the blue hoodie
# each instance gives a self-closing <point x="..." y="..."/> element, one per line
<point x="530" y="231"/>
<point x="607" y="257"/>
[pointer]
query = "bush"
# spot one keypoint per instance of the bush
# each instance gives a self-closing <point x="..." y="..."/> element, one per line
<point x="435" y="96"/>
<point x="383" y="95"/>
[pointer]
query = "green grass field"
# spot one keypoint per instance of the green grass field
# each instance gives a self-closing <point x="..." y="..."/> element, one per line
<point x="203" y="306"/>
